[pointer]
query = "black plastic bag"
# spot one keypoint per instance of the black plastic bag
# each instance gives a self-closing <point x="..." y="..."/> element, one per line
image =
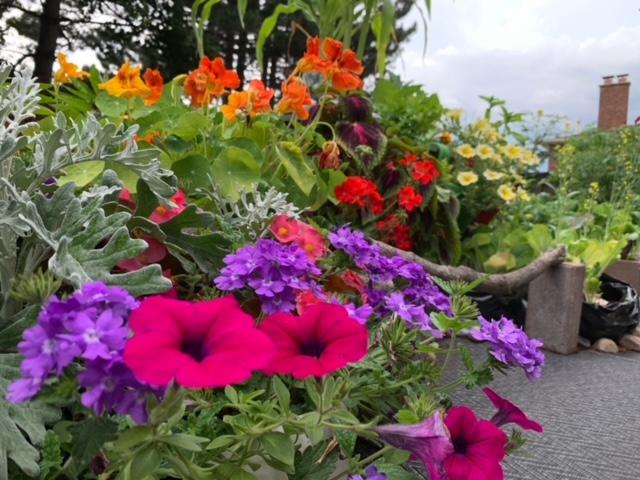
<point x="493" y="307"/>
<point x="620" y="316"/>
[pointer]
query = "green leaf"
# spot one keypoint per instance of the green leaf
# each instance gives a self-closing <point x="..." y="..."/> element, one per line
<point x="382" y="27"/>
<point x="12" y="329"/>
<point x="184" y="441"/>
<point x="394" y="472"/>
<point x="397" y="456"/>
<point x="192" y="124"/>
<point x="81" y="173"/>
<point x="500" y="262"/>
<point x="347" y="441"/>
<point x="467" y="359"/>
<point x="132" y="437"/>
<point x="242" y="8"/>
<point x="234" y="169"/>
<point x="88" y="438"/>
<point x="282" y="393"/>
<point x="279" y="446"/>
<point x="297" y="165"/>
<point x="109" y="105"/>
<point x="267" y="28"/>
<point x="22" y="426"/>
<point x="247" y="144"/>
<point x="221" y="441"/>
<point x="144" y="463"/>
<point x="207" y="249"/>
<point x="308" y="465"/>
<point x="193" y="170"/>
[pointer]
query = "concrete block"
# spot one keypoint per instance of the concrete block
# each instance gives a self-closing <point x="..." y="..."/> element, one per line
<point x="627" y="271"/>
<point x="554" y="305"/>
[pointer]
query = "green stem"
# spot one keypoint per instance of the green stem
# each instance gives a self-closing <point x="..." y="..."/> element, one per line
<point x="449" y="386"/>
<point x="448" y="357"/>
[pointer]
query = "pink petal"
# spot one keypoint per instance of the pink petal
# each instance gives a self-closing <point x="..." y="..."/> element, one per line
<point x="156" y="366"/>
<point x="460" y="467"/>
<point x="158" y="313"/>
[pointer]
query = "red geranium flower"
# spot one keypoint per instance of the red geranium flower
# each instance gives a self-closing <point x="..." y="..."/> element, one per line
<point x="163" y="214"/>
<point x="425" y="172"/>
<point x="509" y="413"/>
<point x="200" y="345"/>
<point x="478" y="447"/>
<point x="408" y="160"/>
<point x="409" y="198"/>
<point x="321" y="341"/>
<point x="360" y="191"/>
<point x="154" y="253"/>
<point x="394" y="232"/>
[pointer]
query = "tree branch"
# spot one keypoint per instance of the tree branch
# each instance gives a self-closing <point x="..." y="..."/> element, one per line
<point x="18" y="7"/>
<point x="498" y="284"/>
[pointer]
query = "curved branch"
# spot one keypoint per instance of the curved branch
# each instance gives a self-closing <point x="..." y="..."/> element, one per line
<point x="498" y="284"/>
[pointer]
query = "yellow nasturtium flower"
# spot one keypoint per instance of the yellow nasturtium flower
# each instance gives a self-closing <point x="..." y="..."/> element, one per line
<point x="67" y="71"/>
<point x="466" y="150"/>
<point x="506" y="193"/>
<point x="484" y="151"/>
<point x="127" y="83"/>
<point x="492" y="175"/>
<point x="467" y="178"/>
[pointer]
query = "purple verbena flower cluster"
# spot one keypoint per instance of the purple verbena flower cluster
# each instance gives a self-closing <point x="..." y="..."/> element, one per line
<point x="371" y="474"/>
<point x="413" y="303"/>
<point x="511" y="346"/>
<point x="273" y="270"/>
<point x="89" y="325"/>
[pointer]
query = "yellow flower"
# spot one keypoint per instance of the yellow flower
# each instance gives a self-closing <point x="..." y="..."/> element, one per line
<point x="492" y="135"/>
<point x="506" y="193"/>
<point x="484" y="151"/>
<point x="466" y="150"/>
<point x="467" y="178"/>
<point x="455" y="114"/>
<point x="523" y="195"/>
<point x="481" y="125"/>
<point x="127" y="83"/>
<point x="529" y="158"/>
<point x="513" y="152"/>
<point x="497" y="159"/>
<point x="67" y="70"/>
<point x="492" y="175"/>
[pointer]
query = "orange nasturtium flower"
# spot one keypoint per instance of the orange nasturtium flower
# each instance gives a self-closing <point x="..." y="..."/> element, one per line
<point x="127" y="83"/>
<point x="208" y="81"/>
<point x="295" y="95"/>
<point x="257" y="99"/>
<point x="341" y="67"/>
<point x="153" y="79"/>
<point x="67" y="70"/>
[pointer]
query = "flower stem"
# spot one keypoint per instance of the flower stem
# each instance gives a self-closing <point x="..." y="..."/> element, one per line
<point x="366" y="461"/>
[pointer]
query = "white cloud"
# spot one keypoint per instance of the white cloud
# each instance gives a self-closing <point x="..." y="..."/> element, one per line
<point x="534" y="55"/>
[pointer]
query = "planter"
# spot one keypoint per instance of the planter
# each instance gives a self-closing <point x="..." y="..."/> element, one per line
<point x="554" y="307"/>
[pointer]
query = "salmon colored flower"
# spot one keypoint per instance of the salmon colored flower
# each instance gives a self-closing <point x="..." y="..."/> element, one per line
<point x="153" y="79"/>
<point x="311" y="241"/>
<point x="207" y="344"/>
<point x="319" y="342"/>
<point x="67" y="70"/>
<point x="285" y="228"/>
<point x="208" y="81"/>
<point x="127" y="83"/>
<point x="295" y="96"/>
<point x="163" y="214"/>
<point x="330" y="156"/>
<point x="409" y="198"/>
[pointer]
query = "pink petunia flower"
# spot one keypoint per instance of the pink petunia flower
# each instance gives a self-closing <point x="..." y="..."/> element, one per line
<point x="428" y="441"/>
<point x="285" y="228"/>
<point x="163" y="214"/>
<point x="311" y="241"/>
<point x="201" y="345"/>
<point x="478" y="447"/>
<point x="321" y="341"/>
<point x="509" y="413"/>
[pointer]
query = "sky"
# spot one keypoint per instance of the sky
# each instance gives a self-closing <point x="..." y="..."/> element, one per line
<point x="535" y="54"/>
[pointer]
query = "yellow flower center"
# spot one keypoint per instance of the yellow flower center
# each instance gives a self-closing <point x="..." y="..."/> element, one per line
<point x="283" y="231"/>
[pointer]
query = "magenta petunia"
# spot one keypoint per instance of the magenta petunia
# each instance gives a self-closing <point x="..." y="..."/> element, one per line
<point x="478" y="447"/>
<point x="428" y="441"/>
<point x="509" y="413"/>
<point x="322" y="340"/>
<point x="200" y="345"/>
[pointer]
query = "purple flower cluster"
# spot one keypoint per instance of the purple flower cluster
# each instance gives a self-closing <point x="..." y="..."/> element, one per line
<point x="273" y="270"/>
<point x="413" y="303"/>
<point x="89" y="325"/>
<point x="511" y="345"/>
<point x="371" y="474"/>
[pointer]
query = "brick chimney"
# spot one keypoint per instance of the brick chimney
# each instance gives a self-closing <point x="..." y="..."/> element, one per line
<point x="614" y="102"/>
